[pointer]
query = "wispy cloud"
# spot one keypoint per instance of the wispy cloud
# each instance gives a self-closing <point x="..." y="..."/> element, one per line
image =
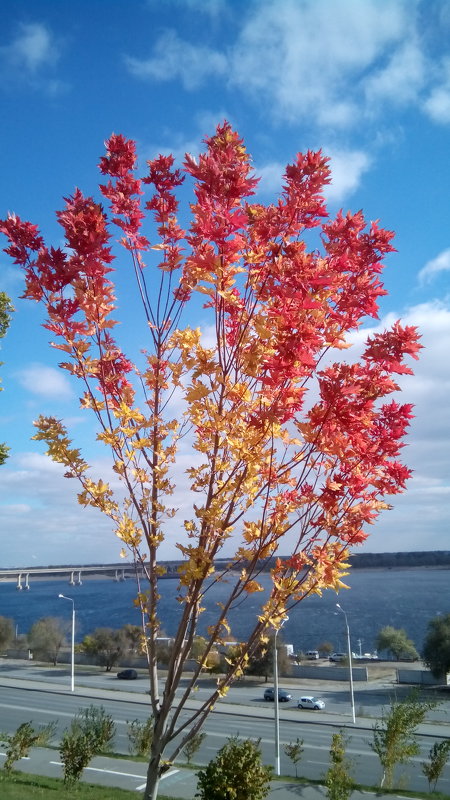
<point x="347" y="169"/>
<point x="210" y="8"/>
<point x="29" y="56"/>
<point x="437" y="104"/>
<point x="330" y="63"/>
<point x="434" y="267"/>
<point x="174" y="58"/>
<point x="45" y="381"/>
<point x="334" y="65"/>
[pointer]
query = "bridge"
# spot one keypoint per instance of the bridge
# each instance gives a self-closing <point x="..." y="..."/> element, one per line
<point x="75" y="574"/>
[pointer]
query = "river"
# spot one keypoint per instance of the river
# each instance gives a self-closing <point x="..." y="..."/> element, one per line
<point x="403" y="598"/>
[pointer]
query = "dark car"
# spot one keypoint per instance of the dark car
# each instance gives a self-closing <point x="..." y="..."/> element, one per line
<point x="127" y="675"/>
<point x="283" y="695"/>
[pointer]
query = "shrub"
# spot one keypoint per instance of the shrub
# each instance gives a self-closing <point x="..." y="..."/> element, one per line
<point x="18" y="744"/>
<point x="140" y="735"/>
<point x="76" y="751"/>
<point x="294" y="751"/>
<point x="97" y="725"/>
<point x="235" y="774"/>
<point x="192" y="745"/>
<point x="338" y="780"/>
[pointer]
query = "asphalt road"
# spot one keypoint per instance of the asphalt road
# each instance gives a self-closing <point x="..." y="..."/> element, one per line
<point x="370" y="698"/>
<point x="42" y="702"/>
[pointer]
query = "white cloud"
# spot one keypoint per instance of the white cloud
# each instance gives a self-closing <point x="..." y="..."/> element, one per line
<point x="347" y="169"/>
<point x="37" y="462"/>
<point x="438" y="105"/>
<point x="326" y="62"/>
<point x="401" y="79"/>
<point x="44" y="381"/>
<point x="32" y="49"/>
<point x="335" y="65"/>
<point x="271" y="178"/>
<point x="302" y="54"/>
<point x="421" y="516"/>
<point x="211" y="8"/>
<point x="437" y="265"/>
<point x="175" y="58"/>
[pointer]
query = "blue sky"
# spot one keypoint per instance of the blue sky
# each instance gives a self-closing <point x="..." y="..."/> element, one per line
<point x="366" y="80"/>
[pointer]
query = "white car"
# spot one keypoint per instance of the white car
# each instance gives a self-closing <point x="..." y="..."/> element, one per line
<point x="311" y="702"/>
<point x="338" y="656"/>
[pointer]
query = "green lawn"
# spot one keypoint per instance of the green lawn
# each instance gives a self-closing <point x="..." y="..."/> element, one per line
<point x="20" y="785"/>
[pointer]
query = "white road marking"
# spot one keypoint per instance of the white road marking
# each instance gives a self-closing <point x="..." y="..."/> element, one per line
<point x="99" y="769"/>
<point x="166" y="775"/>
<point x="22" y="758"/>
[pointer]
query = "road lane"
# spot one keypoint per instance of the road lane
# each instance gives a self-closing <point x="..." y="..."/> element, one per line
<point x="19" y="705"/>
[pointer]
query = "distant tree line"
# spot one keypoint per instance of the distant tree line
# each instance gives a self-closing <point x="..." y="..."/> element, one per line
<point x="108" y="646"/>
<point x="419" y="558"/>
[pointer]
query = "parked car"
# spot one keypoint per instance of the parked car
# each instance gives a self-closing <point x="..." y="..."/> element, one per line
<point x="313" y="655"/>
<point x="283" y="695"/>
<point x="338" y="656"/>
<point x="311" y="702"/>
<point x="127" y="675"/>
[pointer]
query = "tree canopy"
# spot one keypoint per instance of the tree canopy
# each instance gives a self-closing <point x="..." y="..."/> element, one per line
<point x="394" y="736"/>
<point x="436" y="651"/>
<point x="6" y="632"/>
<point x="396" y="641"/>
<point x="107" y="645"/>
<point x="47" y="636"/>
<point x="289" y="445"/>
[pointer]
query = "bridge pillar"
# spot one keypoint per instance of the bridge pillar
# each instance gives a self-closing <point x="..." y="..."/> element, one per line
<point x="19" y="581"/>
<point x="71" y="581"/>
<point x="27" y="585"/>
<point x="79" y="581"/>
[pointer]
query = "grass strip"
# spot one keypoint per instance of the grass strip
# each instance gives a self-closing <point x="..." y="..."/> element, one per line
<point x="20" y="784"/>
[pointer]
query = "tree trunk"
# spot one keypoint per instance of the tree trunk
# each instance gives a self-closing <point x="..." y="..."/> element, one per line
<point x="151" y="790"/>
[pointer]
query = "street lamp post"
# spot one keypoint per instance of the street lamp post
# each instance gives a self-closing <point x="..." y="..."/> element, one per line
<point x="349" y="651"/>
<point x="275" y="699"/>
<point x="72" y="662"/>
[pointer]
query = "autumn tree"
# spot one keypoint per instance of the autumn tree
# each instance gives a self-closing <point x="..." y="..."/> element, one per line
<point x="134" y="638"/>
<point x="6" y="632"/>
<point x="437" y="760"/>
<point x="338" y="779"/>
<point x="46" y="637"/>
<point x="396" y="641"/>
<point x="436" y="651"/>
<point x="106" y="645"/>
<point x="261" y="662"/>
<point x="292" y="448"/>
<point x="394" y="736"/>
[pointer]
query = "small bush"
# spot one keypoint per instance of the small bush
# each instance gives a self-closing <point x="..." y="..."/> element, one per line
<point x="97" y="725"/>
<point x="294" y="751"/>
<point x="18" y="744"/>
<point x="192" y="745"/>
<point x="140" y="735"/>
<point x="338" y="780"/>
<point x="76" y="752"/>
<point x="235" y="774"/>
